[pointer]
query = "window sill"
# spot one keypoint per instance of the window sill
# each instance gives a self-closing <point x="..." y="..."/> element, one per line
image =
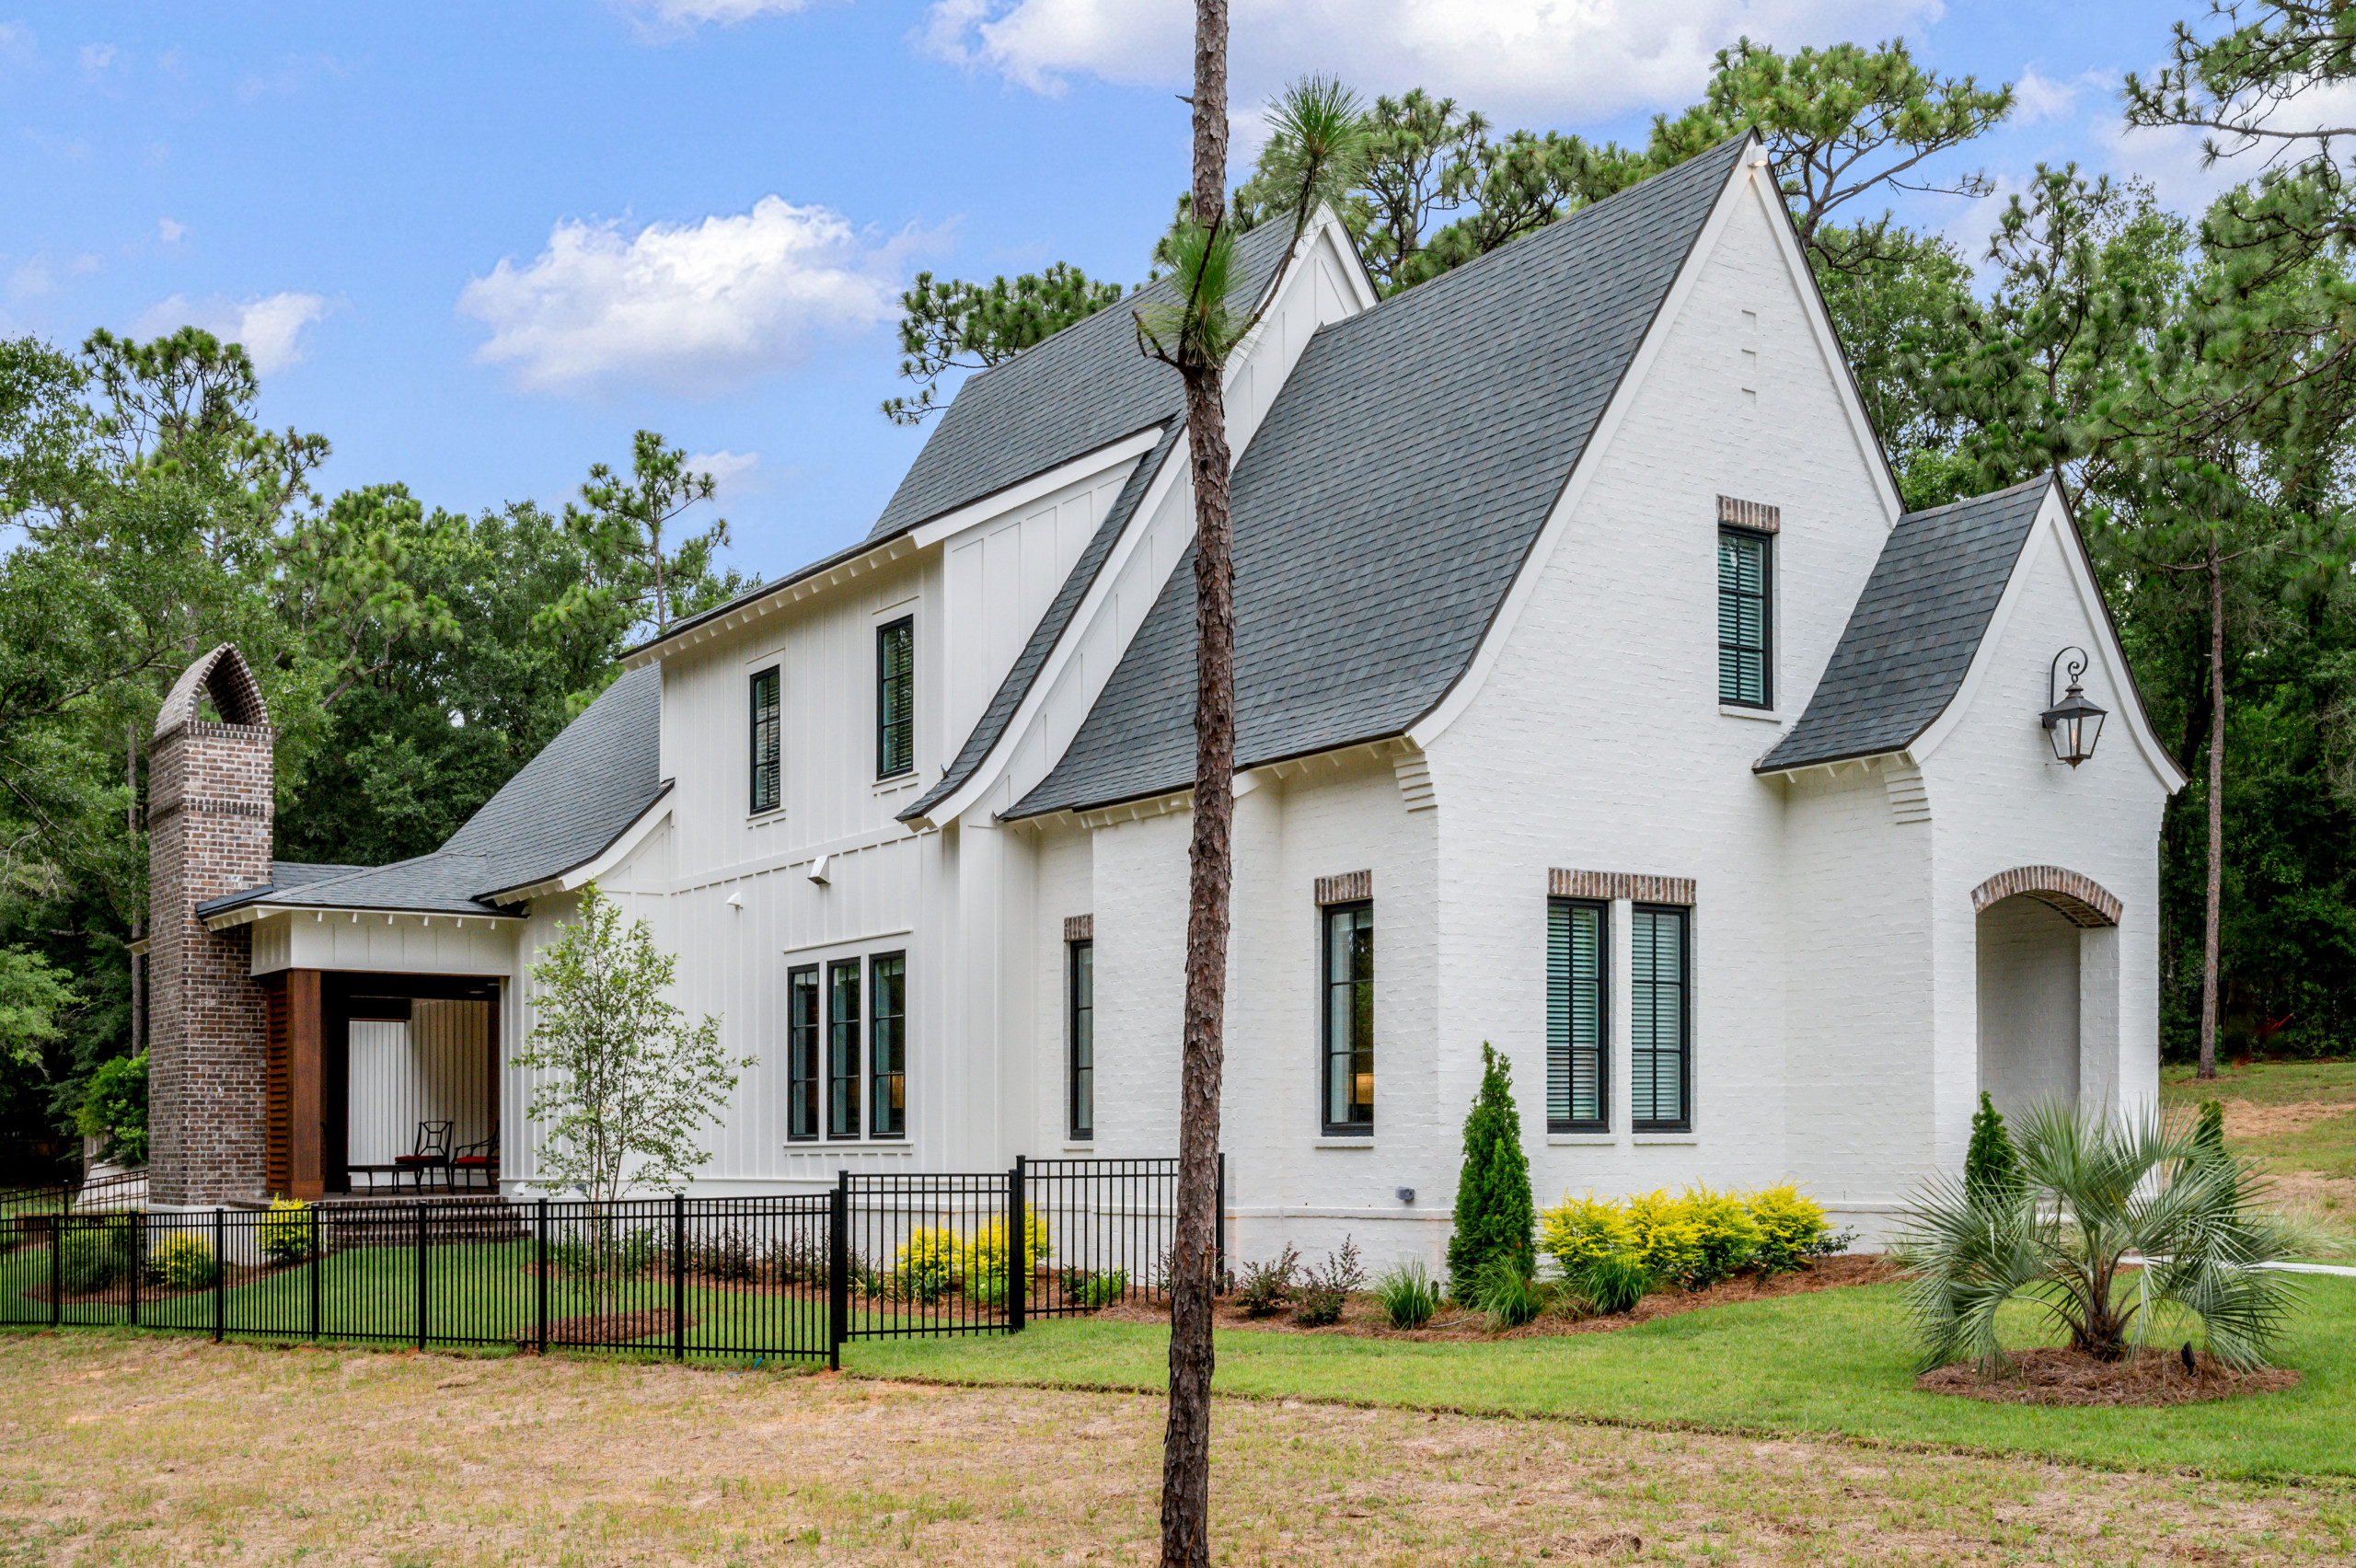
<point x="1582" y="1140"/>
<point x="1365" y="1142"/>
<point x="1079" y="1148"/>
<point x="769" y="818"/>
<point x="897" y="782"/>
<point x="1763" y="715"/>
<point x="1670" y="1140"/>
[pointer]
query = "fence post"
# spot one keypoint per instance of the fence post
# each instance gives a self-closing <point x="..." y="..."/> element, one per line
<point x="838" y="1271"/>
<point x="312" y="1219"/>
<point x="1218" y="1230"/>
<point x="220" y="1271"/>
<point x="1018" y="1248"/>
<point x="56" y="1269"/>
<point x="139" y="1250"/>
<point x="540" y="1248"/>
<point x="678" y="1276"/>
<point x="420" y="1274"/>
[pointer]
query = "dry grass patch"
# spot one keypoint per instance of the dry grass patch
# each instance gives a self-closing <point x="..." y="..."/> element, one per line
<point x="122" y="1450"/>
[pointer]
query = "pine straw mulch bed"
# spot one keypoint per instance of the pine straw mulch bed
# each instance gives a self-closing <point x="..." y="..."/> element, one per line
<point x="613" y="1328"/>
<point x="2059" y="1375"/>
<point x="1364" y="1317"/>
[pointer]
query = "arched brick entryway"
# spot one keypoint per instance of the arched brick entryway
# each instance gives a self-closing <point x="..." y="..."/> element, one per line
<point x="2082" y="900"/>
<point x="2045" y="938"/>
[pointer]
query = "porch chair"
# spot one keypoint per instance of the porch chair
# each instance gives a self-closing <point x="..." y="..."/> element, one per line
<point x="431" y="1152"/>
<point x="479" y="1158"/>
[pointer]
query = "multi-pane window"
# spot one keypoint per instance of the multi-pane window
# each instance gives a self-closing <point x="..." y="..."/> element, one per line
<point x="1745" y="678"/>
<point x="1081" y="987"/>
<point x="1576" y="1024"/>
<point x="842" y="1048"/>
<point x="767" y="741"/>
<point x="802" y="1052"/>
<point x="887" y="1042"/>
<point x="895" y="689"/>
<point x="1660" y="1019"/>
<point x="1348" y="999"/>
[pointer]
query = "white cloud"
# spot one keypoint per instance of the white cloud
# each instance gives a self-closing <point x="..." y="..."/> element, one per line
<point x="732" y="473"/>
<point x="1590" y="57"/>
<point x="170" y="230"/>
<point x="2039" y="98"/>
<point x="271" y="326"/>
<point x="691" y="307"/>
<point x="96" y="57"/>
<point x="30" y="279"/>
<point x="663" y="21"/>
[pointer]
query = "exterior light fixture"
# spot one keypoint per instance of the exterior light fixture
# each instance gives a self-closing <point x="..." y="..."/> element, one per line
<point x="2072" y="723"/>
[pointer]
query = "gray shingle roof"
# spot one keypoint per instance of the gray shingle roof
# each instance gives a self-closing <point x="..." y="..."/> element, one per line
<point x="1083" y="389"/>
<point x="1050" y="630"/>
<point x="1385" y="505"/>
<point x="1914" y="630"/>
<point x="562" y="808"/>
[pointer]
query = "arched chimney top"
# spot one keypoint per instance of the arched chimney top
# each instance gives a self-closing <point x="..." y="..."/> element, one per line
<point x="221" y="674"/>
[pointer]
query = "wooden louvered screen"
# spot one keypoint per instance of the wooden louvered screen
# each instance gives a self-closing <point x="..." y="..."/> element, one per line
<point x="278" y="1090"/>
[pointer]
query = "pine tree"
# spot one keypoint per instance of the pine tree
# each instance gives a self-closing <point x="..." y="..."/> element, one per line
<point x="1990" y="1165"/>
<point x="1495" y="1213"/>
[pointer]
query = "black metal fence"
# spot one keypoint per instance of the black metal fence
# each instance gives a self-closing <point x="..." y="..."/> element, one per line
<point x="791" y="1277"/>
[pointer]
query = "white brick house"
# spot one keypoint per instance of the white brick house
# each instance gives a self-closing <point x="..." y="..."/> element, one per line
<point x="1595" y="702"/>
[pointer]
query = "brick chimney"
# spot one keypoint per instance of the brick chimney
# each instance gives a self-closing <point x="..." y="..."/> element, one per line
<point x="210" y="789"/>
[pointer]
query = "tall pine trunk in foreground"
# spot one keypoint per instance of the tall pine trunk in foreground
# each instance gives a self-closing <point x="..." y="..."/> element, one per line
<point x="1186" y="1439"/>
<point x="2216" y="812"/>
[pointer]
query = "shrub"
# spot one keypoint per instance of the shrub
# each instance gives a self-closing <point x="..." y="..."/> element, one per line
<point x="114" y="1108"/>
<point x="925" y="1264"/>
<point x="1791" y="1227"/>
<point x="1508" y="1295"/>
<point x="1612" y="1285"/>
<point x="1579" y="1232"/>
<point x="1990" y="1162"/>
<point x="2091" y="1191"/>
<point x="1327" y="1290"/>
<point x="2210" y="1131"/>
<point x="797" y="1259"/>
<point x="1667" y="1240"/>
<point x="723" y="1254"/>
<point x="1102" y="1289"/>
<point x="984" y="1255"/>
<point x="97" y="1257"/>
<point x="1494" y="1214"/>
<point x="1728" y="1235"/>
<point x="1409" y="1296"/>
<point x="185" y="1263"/>
<point x="1267" y="1288"/>
<point x="288" y="1230"/>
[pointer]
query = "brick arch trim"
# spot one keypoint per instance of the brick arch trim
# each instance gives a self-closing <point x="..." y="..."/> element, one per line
<point x="223" y="676"/>
<point x="2082" y="900"/>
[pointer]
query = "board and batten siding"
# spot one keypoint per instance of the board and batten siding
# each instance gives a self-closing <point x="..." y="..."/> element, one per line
<point x="435" y="1068"/>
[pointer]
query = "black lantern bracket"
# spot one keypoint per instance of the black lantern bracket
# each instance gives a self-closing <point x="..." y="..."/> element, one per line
<point x="2071" y="722"/>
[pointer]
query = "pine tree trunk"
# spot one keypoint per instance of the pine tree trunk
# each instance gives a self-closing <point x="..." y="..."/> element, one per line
<point x="138" y="925"/>
<point x="2216" y="813"/>
<point x="1187" y="1438"/>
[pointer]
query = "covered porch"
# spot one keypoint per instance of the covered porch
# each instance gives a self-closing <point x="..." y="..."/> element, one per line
<point x="376" y="1081"/>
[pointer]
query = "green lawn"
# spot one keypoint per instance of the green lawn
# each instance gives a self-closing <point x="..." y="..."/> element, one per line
<point x="2265" y="1083"/>
<point x="2313" y="1161"/>
<point x="1834" y="1361"/>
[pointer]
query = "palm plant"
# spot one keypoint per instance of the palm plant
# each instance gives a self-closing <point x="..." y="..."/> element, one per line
<point x="2091" y="1194"/>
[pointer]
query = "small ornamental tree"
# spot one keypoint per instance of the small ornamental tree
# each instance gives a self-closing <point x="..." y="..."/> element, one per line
<point x="1495" y="1213"/>
<point x="631" y="1080"/>
<point x="1990" y="1165"/>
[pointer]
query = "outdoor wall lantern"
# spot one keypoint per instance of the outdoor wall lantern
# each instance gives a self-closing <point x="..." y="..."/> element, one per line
<point x="2072" y="723"/>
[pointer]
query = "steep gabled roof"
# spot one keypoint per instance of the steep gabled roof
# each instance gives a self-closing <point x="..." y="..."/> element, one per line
<point x="1385" y="505"/>
<point x="1085" y="387"/>
<point x="1911" y="638"/>
<point x="560" y="810"/>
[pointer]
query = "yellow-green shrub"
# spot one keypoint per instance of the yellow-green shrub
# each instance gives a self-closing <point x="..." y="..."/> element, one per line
<point x="1729" y="1237"/>
<point x="286" y="1230"/>
<point x="1582" y="1230"/>
<point x="1791" y="1226"/>
<point x="983" y="1256"/>
<point x="186" y="1262"/>
<point x="1668" y="1235"/>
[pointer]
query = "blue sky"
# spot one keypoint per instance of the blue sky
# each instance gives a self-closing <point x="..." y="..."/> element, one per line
<point x="477" y="245"/>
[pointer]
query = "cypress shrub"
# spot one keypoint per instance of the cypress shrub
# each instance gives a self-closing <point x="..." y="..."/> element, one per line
<point x="1990" y="1165"/>
<point x="2211" y="1133"/>
<point x="1495" y="1213"/>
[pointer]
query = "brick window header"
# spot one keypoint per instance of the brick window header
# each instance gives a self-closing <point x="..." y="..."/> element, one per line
<point x="1079" y="927"/>
<point x="1350" y="887"/>
<point x="1630" y="885"/>
<point x="1756" y="515"/>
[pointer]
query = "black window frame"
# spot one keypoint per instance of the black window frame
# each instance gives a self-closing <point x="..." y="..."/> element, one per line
<point x="1560" y="1003"/>
<point x="1080" y="1040"/>
<point x="895" y="729"/>
<point x="843" y="1039"/>
<point x="1638" y="983"/>
<point x="804" y="1103"/>
<point x="888" y="1084"/>
<point x="1766" y="544"/>
<point x="766" y="790"/>
<point x="1362" y="1010"/>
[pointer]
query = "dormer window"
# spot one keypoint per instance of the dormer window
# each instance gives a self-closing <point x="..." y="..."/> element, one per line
<point x="767" y="745"/>
<point x="895" y="689"/>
